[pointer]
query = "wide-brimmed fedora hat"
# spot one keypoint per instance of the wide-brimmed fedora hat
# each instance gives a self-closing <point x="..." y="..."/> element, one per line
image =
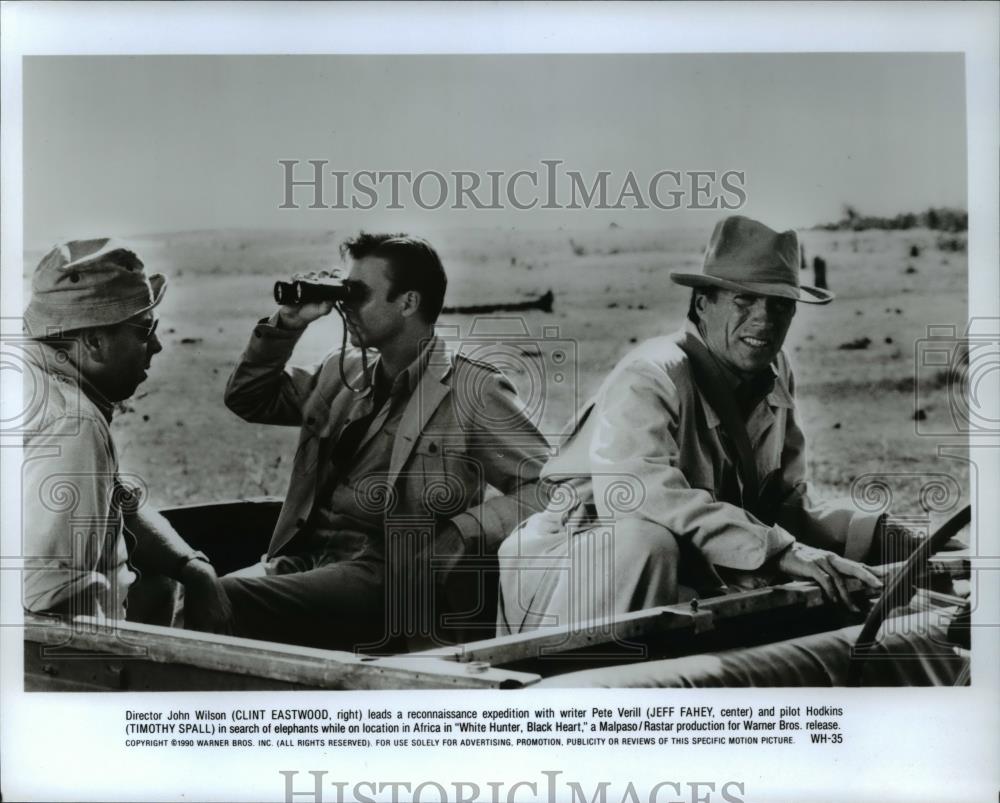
<point x="746" y="256"/>
<point x="85" y="283"/>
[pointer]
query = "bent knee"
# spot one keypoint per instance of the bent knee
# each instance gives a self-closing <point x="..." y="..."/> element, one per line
<point x="641" y="540"/>
<point x="509" y="546"/>
<point x="536" y="535"/>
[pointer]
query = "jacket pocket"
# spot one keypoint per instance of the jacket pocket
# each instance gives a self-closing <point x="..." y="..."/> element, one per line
<point x="448" y="480"/>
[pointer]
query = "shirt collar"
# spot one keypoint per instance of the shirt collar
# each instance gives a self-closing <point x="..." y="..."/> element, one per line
<point x="410" y="377"/>
<point x="58" y="361"/>
<point x="779" y="394"/>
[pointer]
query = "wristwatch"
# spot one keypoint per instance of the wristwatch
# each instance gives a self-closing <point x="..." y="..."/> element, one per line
<point x="186" y="559"/>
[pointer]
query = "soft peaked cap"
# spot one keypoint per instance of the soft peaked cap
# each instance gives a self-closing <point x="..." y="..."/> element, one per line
<point x="85" y="283"/>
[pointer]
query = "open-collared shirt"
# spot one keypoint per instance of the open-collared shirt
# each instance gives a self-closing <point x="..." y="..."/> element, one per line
<point x="655" y="449"/>
<point x="348" y="519"/>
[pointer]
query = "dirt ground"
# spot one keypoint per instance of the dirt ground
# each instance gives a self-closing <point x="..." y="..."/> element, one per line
<point x="858" y="405"/>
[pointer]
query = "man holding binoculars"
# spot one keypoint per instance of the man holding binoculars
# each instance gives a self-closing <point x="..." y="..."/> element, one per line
<point x="384" y="527"/>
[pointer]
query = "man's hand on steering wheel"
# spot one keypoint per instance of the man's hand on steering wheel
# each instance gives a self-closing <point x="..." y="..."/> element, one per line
<point x="827" y="569"/>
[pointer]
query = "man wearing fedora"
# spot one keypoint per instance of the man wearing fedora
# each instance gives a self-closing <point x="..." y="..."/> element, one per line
<point x="686" y="471"/>
<point x="90" y="546"/>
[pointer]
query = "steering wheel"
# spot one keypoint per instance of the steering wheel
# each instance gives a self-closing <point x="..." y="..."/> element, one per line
<point x="900" y="589"/>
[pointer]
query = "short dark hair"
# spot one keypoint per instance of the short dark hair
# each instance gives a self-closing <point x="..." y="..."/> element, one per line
<point x="413" y="265"/>
<point x="709" y="292"/>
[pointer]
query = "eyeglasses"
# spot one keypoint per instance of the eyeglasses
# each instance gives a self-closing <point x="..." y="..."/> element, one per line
<point x="148" y="330"/>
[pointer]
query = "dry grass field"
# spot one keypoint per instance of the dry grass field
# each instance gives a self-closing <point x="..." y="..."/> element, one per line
<point x="611" y="290"/>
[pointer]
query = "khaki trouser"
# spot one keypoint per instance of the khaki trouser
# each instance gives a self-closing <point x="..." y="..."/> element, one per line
<point x="552" y="575"/>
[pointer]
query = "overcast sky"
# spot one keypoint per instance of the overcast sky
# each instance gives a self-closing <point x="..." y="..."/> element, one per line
<point x="147" y="144"/>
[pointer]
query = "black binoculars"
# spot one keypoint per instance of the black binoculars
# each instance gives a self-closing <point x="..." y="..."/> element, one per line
<point x="306" y="292"/>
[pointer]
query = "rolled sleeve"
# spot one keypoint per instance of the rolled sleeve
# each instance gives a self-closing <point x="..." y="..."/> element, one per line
<point x="467" y="529"/>
<point x="860" y="534"/>
<point x="834" y="524"/>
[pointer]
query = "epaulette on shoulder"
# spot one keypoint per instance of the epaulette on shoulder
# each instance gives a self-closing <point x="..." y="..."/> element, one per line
<point x="462" y="359"/>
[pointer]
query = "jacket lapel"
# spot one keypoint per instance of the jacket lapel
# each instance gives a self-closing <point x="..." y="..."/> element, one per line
<point x="764" y="415"/>
<point x="430" y="392"/>
<point x="337" y="400"/>
<point x="376" y="424"/>
<point x="333" y="412"/>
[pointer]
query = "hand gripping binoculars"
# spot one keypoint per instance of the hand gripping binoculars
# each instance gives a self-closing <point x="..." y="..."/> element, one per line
<point x="302" y="291"/>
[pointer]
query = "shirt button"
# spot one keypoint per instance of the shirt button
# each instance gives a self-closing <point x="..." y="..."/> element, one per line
<point x="432" y="448"/>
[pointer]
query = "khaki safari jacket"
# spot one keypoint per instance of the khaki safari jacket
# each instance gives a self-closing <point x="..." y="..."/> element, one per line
<point x="462" y="429"/>
<point x="654" y="449"/>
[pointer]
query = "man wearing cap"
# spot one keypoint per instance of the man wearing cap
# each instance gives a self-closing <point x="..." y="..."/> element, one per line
<point x="690" y="455"/>
<point x="87" y="539"/>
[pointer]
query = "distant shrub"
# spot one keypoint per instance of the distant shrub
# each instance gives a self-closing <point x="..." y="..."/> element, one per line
<point x="951" y="243"/>
<point x="956" y="374"/>
<point x="914" y="250"/>
<point x="938" y="219"/>
<point x="948" y="377"/>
